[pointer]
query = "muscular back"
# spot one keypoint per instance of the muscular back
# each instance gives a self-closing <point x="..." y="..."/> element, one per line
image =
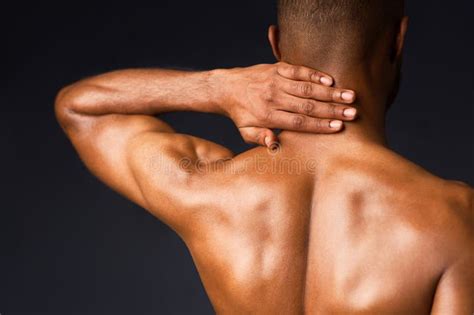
<point x="331" y="233"/>
<point x="329" y="224"/>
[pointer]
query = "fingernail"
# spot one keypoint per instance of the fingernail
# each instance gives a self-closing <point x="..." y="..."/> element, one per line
<point x="335" y="124"/>
<point x="349" y="112"/>
<point x="326" y="81"/>
<point x="268" y="141"/>
<point x="347" y="95"/>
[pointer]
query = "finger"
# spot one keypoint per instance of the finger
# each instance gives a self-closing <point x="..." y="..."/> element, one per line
<point x="301" y="73"/>
<point x="297" y="122"/>
<point x="261" y="136"/>
<point x="317" y="92"/>
<point x="314" y="108"/>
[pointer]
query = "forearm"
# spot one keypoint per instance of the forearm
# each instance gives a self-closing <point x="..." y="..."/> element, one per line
<point x="257" y="99"/>
<point x="144" y="92"/>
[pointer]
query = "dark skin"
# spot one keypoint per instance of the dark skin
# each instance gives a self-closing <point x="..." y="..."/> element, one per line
<point x="329" y="222"/>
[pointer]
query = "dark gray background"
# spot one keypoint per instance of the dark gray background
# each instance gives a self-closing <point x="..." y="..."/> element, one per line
<point x="70" y="245"/>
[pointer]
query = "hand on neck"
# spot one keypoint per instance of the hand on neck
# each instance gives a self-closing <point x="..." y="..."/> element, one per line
<point x="371" y="105"/>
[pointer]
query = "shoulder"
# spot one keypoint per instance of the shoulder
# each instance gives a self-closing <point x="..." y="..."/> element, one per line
<point x="455" y="213"/>
<point x="458" y="199"/>
<point x="456" y="285"/>
<point x="439" y="210"/>
<point x="454" y="199"/>
<point x="439" y="215"/>
<point x="462" y="195"/>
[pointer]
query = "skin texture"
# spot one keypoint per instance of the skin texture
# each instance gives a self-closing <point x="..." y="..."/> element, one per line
<point x="330" y="221"/>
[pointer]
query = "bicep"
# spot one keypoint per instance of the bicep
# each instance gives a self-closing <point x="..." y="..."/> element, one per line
<point x="142" y="158"/>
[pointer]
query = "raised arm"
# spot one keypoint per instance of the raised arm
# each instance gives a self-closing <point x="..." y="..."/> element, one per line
<point x="110" y="121"/>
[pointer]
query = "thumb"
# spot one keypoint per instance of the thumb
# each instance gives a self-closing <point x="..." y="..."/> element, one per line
<point x="261" y="136"/>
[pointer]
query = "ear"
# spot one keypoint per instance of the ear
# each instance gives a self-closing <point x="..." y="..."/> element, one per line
<point x="402" y="31"/>
<point x="274" y="38"/>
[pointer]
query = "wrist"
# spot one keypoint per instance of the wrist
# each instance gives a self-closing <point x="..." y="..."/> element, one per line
<point x="220" y="87"/>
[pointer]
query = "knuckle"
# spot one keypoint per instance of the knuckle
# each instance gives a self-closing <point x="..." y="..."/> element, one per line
<point x="257" y="138"/>
<point x="282" y="68"/>
<point x="307" y="108"/>
<point x="255" y="118"/>
<point x="314" y="76"/>
<point x="294" y="71"/>
<point x="318" y="124"/>
<point x="333" y="110"/>
<point x="267" y="117"/>
<point x="272" y="84"/>
<point x="306" y="89"/>
<point x="276" y="70"/>
<point x="245" y="136"/>
<point x="244" y="133"/>
<point x="298" y="121"/>
<point x="270" y="91"/>
<point x="267" y="96"/>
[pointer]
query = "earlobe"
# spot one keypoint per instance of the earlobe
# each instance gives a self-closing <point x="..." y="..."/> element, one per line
<point x="274" y="39"/>
<point x="401" y="36"/>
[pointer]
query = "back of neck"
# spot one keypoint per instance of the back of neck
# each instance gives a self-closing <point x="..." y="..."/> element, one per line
<point x="368" y="128"/>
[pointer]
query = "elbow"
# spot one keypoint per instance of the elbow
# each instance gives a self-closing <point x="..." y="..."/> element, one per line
<point x="64" y="107"/>
<point x="71" y="105"/>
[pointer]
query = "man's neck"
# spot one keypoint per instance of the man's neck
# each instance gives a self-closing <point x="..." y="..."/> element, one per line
<point x="369" y="128"/>
<point x="354" y="134"/>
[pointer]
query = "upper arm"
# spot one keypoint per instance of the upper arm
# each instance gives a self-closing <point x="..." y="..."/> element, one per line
<point x="455" y="292"/>
<point x="143" y="159"/>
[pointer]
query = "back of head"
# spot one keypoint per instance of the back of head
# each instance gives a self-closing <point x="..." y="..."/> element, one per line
<point x="343" y="31"/>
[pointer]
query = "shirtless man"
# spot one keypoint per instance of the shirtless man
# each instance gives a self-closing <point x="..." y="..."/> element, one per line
<point x="330" y="221"/>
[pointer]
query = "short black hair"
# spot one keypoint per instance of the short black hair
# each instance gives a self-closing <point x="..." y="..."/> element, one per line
<point x="329" y="22"/>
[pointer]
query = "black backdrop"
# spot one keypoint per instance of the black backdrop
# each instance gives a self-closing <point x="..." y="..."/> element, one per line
<point x="68" y="244"/>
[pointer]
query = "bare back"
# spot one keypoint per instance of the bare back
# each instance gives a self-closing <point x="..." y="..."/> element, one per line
<point x="360" y="233"/>
<point x="326" y="225"/>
